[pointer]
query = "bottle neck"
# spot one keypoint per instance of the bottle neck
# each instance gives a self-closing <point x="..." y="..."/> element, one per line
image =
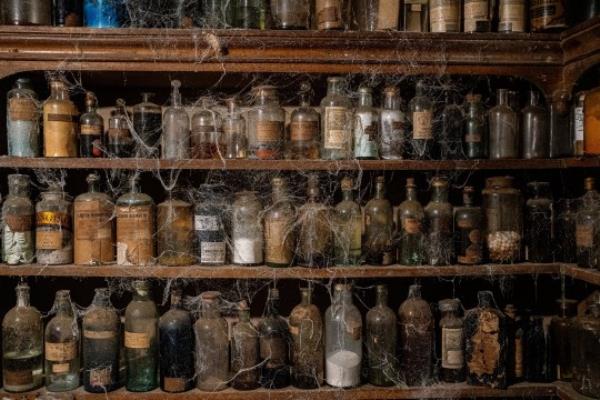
<point x="141" y="295"/>
<point x="63" y="305"/>
<point x="304" y="100"/>
<point x="414" y="292"/>
<point x="334" y="87"/>
<point x="502" y="97"/>
<point x="440" y="194"/>
<point x="448" y="314"/>
<point x="347" y="195"/>
<point x="379" y="191"/>
<point x="342" y="296"/>
<point x="176" y="301"/>
<point x="244" y="315"/>
<point x="58" y="92"/>
<point x="90" y="108"/>
<point x="419" y="90"/>
<point x="534" y="99"/>
<point x="306" y="297"/>
<point x="22" y="296"/>
<point x="279" y="194"/>
<point x="382" y="298"/>
<point x="93" y="186"/>
<point x="485" y="299"/>
<point x="467" y="199"/>
<point x="210" y="310"/>
<point x="411" y="193"/>
<point x="273" y="307"/>
<point x="19" y="190"/>
<point x="391" y="101"/>
<point x="101" y="298"/>
<point x="365" y="100"/>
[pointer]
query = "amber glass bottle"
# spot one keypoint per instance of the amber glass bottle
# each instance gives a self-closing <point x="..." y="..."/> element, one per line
<point x="60" y="122"/>
<point x="53" y="231"/>
<point x="91" y="129"/>
<point x="175" y="229"/>
<point x="591" y="122"/>
<point x="304" y="128"/>
<point x="347" y="234"/>
<point x="266" y="120"/>
<point x="279" y="226"/>
<point x="381" y="341"/>
<point x="314" y="229"/>
<point x="409" y="217"/>
<point x="379" y="227"/>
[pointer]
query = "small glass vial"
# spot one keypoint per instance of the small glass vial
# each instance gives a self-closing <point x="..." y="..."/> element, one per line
<point x="536" y="139"/>
<point x="247" y="230"/>
<point x="175" y="141"/>
<point x="477" y="16"/>
<point x="23" y="120"/>
<point x="331" y="14"/>
<point x="244" y="351"/>
<point x="17" y="217"/>
<point x="91" y="129"/>
<point x="376" y="15"/>
<point x="291" y="14"/>
<point x="120" y="141"/>
<point x="304" y="129"/>
<point x="445" y="16"/>
<point x="209" y="226"/>
<point x="206" y="132"/>
<point x="315" y="238"/>
<point x="438" y="222"/>
<point x="505" y="138"/>
<point x="587" y="230"/>
<point x="409" y="235"/>
<point x="475" y="139"/>
<point x="147" y="124"/>
<point x="67" y="12"/>
<point x="416" y="16"/>
<point x="19" y="12"/>
<point x="513" y="16"/>
<point x="279" y="226"/>
<point x="235" y="140"/>
<point x="250" y="14"/>
<point x="175" y="232"/>
<point x="421" y="118"/>
<point x="392" y="126"/>
<point x="578" y="116"/>
<point x="336" y="122"/>
<point x="60" y="126"/>
<point x="347" y="234"/>
<point x="379" y="227"/>
<point x="539" y="223"/>
<point x="452" y="342"/>
<point x="53" y="234"/>
<point x="467" y="230"/>
<point x="266" y="120"/>
<point x="381" y="340"/>
<point x="365" y="127"/>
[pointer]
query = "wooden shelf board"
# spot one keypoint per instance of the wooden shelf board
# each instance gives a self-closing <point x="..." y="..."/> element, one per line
<point x="584" y="274"/>
<point x="565" y="391"/>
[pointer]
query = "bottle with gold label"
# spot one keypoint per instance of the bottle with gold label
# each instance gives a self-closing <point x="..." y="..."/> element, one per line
<point x="548" y="15"/>
<point x="175" y="140"/>
<point x="60" y="122"/>
<point x="347" y="231"/>
<point x="513" y="16"/>
<point x="266" y="120"/>
<point x="379" y="228"/>
<point x="314" y="229"/>
<point x="62" y="346"/>
<point x="336" y="122"/>
<point x="376" y="15"/>
<point x="332" y="14"/>
<point x="365" y="126"/>
<point x="53" y="234"/>
<point x="304" y="129"/>
<point x="91" y="131"/>
<point x="23" y="120"/>
<point x="279" y="226"/>
<point x="141" y="339"/>
<point x="235" y="139"/>
<point x="244" y="351"/>
<point x="421" y="118"/>
<point x="17" y="217"/>
<point x="477" y="16"/>
<point x="206" y="132"/>
<point x="135" y="223"/>
<point x="445" y="15"/>
<point x="101" y="344"/>
<point x="416" y="16"/>
<point x="438" y="221"/>
<point x="409" y="233"/>
<point x="175" y="229"/>
<point x="92" y="226"/>
<point x="120" y="140"/>
<point x="591" y="122"/>
<point x="467" y="230"/>
<point x="587" y="227"/>
<point x="247" y="230"/>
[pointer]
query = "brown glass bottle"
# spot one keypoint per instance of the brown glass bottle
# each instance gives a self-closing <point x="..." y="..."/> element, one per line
<point x="438" y="225"/>
<point x="304" y="139"/>
<point x="175" y="230"/>
<point x="379" y="227"/>
<point x="279" y="226"/>
<point x="467" y="230"/>
<point x="409" y="217"/>
<point x="586" y="350"/>
<point x="381" y="341"/>
<point x="515" y="331"/>
<point x="244" y="351"/>
<point x="452" y="341"/>
<point x="475" y="140"/>
<point x="534" y="126"/>
<point x="60" y="122"/>
<point x="314" y="229"/>
<point x="331" y="14"/>
<point x="539" y="222"/>
<point x="560" y="327"/>
<point x="274" y="345"/>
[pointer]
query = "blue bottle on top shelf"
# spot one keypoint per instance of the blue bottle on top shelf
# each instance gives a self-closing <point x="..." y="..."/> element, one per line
<point x="102" y="13"/>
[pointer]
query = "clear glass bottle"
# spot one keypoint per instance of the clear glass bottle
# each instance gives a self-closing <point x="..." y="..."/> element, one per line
<point x="445" y="16"/>
<point x="206" y="132"/>
<point x="376" y="15"/>
<point x="416" y="327"/>
<point x="561" y="136"/>
<point x="512" y="16"/>
<point x="120" y="140"/>
<point x="176" y="339"/>
<point x="22" y="345"/>
<point x="560" y="327"/>
<point x="379" y="227"/>
<point x="416" y="16"/>
<point x="586" y="350"/>
<point x="244" y="351"/>
<point x="477" y="16"/>
<point x="336" y="121"/>
<point x="381" y="341"/>
<point x="141" y="340"/>
<point x="438" y="223"/>
<point x="566" y="228"/>
<point x="53" y="231"/>
<point x="392" y="128"/>
<point x="304" y="129"/>
<point x="101" y="328"/>
<point x="306" y="329"/>
<point x="247" y="230"/>
<point x="291" y="14"/>
<point x="279" y="222"/>
<point x="409" y="234"/>
<point x="18" y="12"/>
<point x="467" y="230"/>
<point x="234" y="132"/>
<point x="60" y="122"/>
<point x="421" y="119"/>
<point x="475" y="139"/>
<point x="504" y="129"/>
<point x="266" y="121"/>
<point x="365" y="126"/>
<point x="587" y="227"/>
<point x="175" y="140"/>
<point x="250" y="14"/>
<point x="548" y="15"/>
<point x="102" y="14"/>
<point x="17" y="217"/>
<point x="23" y="120"/>
<point x="135" y="227"/>
<point x="175" y="232"/>
<point x="212" y="345"/>
<point x="452" y="340"/>
<point x="147" y="124"/>
<point x="209" y="226"/>
<point x="67" y="12"/>
<point x="331" y="14"/>
<point x="450" y="129"/>
<point x="61" y="348"/>
<point x="91" y="129"/>
<point x="315" y="237"/>
<point x="347" y="233"/>
<point x="274" y="339"/>
<point x="539" y="223"/>
<point x="343" y="340"/>
<point x="536" y="139"/>
<point x="577" y="123"/>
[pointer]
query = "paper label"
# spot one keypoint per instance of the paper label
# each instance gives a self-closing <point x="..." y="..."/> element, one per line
<point x="278" y="248"/>
<point x="579" y="123"/>
<point x="174" y="384"/>
<point x="98" y="335"/>
<point x="452" y="348"/>
<point x="354" y="329"/>
<point x="16" y="378"/>
<point x="584" y="235"/>
<point x="100" y="377"/>
<point x="48" y="240"/>
<point x="22" y="109"/>
<point x="61" y="352"/>
<point x="134" y="223"/>
<point x="422" y="125"/>
<point x="118" y="134"/>
<point x="18" y="223"/>
<point x="61" y="368"/>
<point x="53" y="218"/>
<point x="92" y="220"/>
<point x="212" y="252"/>
<point x="519" y="357"/>
<point x="302" y="131"/>
<point x="95" y="130"/>
<point x="411" y="225"/>
<point x="269" y="131"/>
<point x="336" y="129"/>
<point x="247" y="251"/>
<point x="134" y="340"/>
<point x="512" y="16"/>
<point x="60" y="118"/>
<point x="473" y="138"/>
<point x="206" y="223"/>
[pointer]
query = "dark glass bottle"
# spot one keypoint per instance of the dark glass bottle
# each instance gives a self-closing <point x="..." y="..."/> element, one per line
<point x="91" y="129"/>
<point x="539" y="218"/>
<point x="536" y="354"/>
<point x="566" y="223"/>
<point x="147" y="123"/>
<point x="215" y="14"/>
<point x="450" y="129"/>
<point x="314" y="229"/>
<point x="244" y="351"/>
<point x="101" y="345"/>
<point x="467" y="230"/>
<point x="291" y="14"/>
<point x="475" y="139"/>
<point x="120" y="139"/>
<point x="410" y="237"/>
<point x="209" y="226"/>
<point x="176" y="338"/>
<point x="67" y="12"/>
<point x="505" y="138"/>
<point x="381" y="341"/>
<point x="452" y="342"/>
<point x="561" y="135"/>
<point x="486" y="343"/>
<point x="438" y="225"/>
<point x="536" y="139"/>
<point x="586" y="350"/>
<point x="304" y="131"/>
<point x="379" y="227"/>
<point x="274" y="346"/>
<point x="515" y="332"/>
<point x="421" y="118"/>
<point x="587" y="229"/>
<point x="560" y="327"/>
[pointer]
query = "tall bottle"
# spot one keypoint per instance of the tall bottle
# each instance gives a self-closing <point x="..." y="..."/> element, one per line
<point x="101" y="14"/>
<point x="438" y="222"/>
<point x="336" y="121"/>
<point x="247" y="230"/>
<point x="409" y="233"/>
<point x="475" y="139"/>
<point x="561" y="135"/>
<point x="91" y="129"/>
<point x="234" y="132"/>
<point x="147" y="124"/>
<point x="53" y="231"/>
<point x="304" y="129"/>
<point x="516" y="325"/>
<point x="381" y="341"/>
<point x="452" y="342"/>
<point x="421" y="118"/>
<point x="445" y="16"/>
<point x="577" y="123"/>
<point x="450" y="129"/>
<point x="560" y="328"/>
<point x="23" y="120"/>
<point x="175" y="231"/>
<point x="416" y="16"/>
<point x="586" y="350"/>
<point x="379" y="227"/>
<point x="17" y="215"/>
<point x="209" y="226"/>
<point x="291" y="14"/>
<point x="467" y="230"/>
<point x="306" y="329"/>
<point x="244" y="351"/>
<point x="212" y="345"/>
<point x="512" y="16"/>
<point x="22" y="345"/>
<point x="504" y="129"/>
<point x="347" y="232"/>
<point x="250" y="14"/>
<point x="141" y="339"/>
<point x="101" y="344"/>
<point x="393" y="127"/>
<point x="67" y="12"/>
<point x="536" y="139"/>
<point x="279" y="226"/>
<point x="206" y="132"/>
<point x="17" y="12"/>
<point x="343" y="339"/>
<point x="135" y="220"/>
<point x="176" y="339"/>
<point x="120" y="140"/>
<point x="315" y="237"/>
<point x="365" y="126"/>
<point x="566" y="229"/>
<point x="266" y="121"/>
<point x="536" y="352"/>
<point x="331" y="14"/>
<point x="175" y="140"/>
<point x="61" y="348"/>
<point x="587" y="228"/>
<point x="477" y="16"/>
<point x="539" y="222"/>
<point x="60" y="122"/>
<point x="274" y="345"/>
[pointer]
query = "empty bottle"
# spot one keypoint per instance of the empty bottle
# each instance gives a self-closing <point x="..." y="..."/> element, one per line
<point x="120" y="140"/>
<point x="381" y="341"/>
<point x="291" y="14"/>
<point x="379" y="227"/>
<point x="585" y="347"/>
<point x="147" y="123"/>
<point x="91" y="129"/>
<point x="274" y="345"/>
<point x="536" y="138"/>
<point x="235" y="138"/>
<point x="450" y="129"/>
<point x="314" y="229"/>
<point x="175" y="142"/>
<point x="244" y="351"/>
<point x="304" y="128"/>
<point x="19" y="12"/>
<point x="102" y="13"/>
<point x="206" y="132"/>
<point x="409" y="233"/>
<point x="475" y="139"/>
<point x="438" y="225"/>
<point x="175" y="229"/>
<point x="504" y="129"/>
<point x="250" y="14"/>
<point x="336" y="120"/>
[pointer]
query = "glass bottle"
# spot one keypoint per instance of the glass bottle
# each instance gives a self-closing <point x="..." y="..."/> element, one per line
<point x="566" y="223"/>
<point x="502" y="216"/>
<point x="375" y="15"/>
<point x="141" y="339"/>
<point x="516" y="325"/>
<point x="347" y="234"/>
<point x="291" y="14"/>
<point x="212" y="345"/>
<point x="587" y="228"/>
<point x="438" y="221"/>
<point x="93" y="234"/>
<point x="67" y="12"/>
<point x="331" y="14"/>
<point x="586" y="350"/>
<point x="416" y="16"/>
<point x="234" y="132"/>
<point x="486" y="342"/>
<point x="120" y="140"/>
<point x="467" y="230"/>
<point x="135" y="227"/>
<point x="244" y="351"/>
<point x="416" y="326"/>
<point x="91" y="129"/>
<point x="304" y="128"/>
<point x="206" y="132"/>
<point x="315" y="237"/>
<point x="215" y="14"/>
<point x="176" y="339"/>
<point x="175" y="140"/>
<point x="23" y="120"/>
<point x="101" y="328"/>
<point x="250" y="14"/>
<point x="561" y="136"/>
<point x="392" y="129"/>
<point x="209" y="226"/>
<point x="102" y="14"/>
<point x="445" y="16"/>
<point x="410" y="237"/>
<point x="477" y="16"/>
<point x="591" y="122"/>
<point x="539" y="222"/>
<point x="266" y="121"/>
<point x="548" y="15"/>
<point x="175" y="231"/>
<point x="381" y="341"/>
<point x="279" y="226"/>
<point x="475" y="139"/>
<point x="577" y="123"/>
<point x="536" y="140"/>
<point x="379" y="227"/>
<point x="17" y="217"/>
<point x="343" y="340"/>
<point x="336" y="120"/>
<point x="274" y="345"/>
<point x="53" y="231"/>
<point x="247" y="230"/>
<point x="22" y="345"/>
<point x="512" y="15"/>
<point x="450" y="129"/>
<point x="504" y="129"/>
<point x="560" y="327"/>
<point x="452" y="342"/>
<point x="536" y="351"/>
<point x="60" y="122"/>
<point x="588" y="10"/>
<point x="61" y="349"/>
<point x="306" y="329"/>
<point x="365" y="127"/>
<point x="19" y="12"/>
<point x="147" y="124"/>
<point x="421" y="119"/>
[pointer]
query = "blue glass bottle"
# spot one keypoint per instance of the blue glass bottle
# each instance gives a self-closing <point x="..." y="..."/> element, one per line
<point x="102" y="13"/>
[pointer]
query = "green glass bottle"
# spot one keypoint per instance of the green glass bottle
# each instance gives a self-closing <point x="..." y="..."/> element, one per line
<point x="409" y="234"/>
<point x="379" y="227"/>
<point x="250" y="14"/>
<point x="348" y="227"/>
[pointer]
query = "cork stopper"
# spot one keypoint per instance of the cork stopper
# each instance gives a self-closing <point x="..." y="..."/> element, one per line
<point x="498" y="182"/>
<point x="305" y="87"/>
<point x="92" y="178"/>
<point x="410" y="182"/>
<point x="278" y="182"/>
<point x="274" y="294"/>
<point x="342" y="287"/>
<point x="90" y="99"/>
<point x="391" y="90"/>
<point x="347" y="183"/>
<point x="589" y="184"/>
<point x="473" y="98"/>
<point x="23" y="83"/>
<point x="243" y="306"/>
<point x="210" y="296"/>
<point x="439" y="182"/>
<point x="364" y="90"/>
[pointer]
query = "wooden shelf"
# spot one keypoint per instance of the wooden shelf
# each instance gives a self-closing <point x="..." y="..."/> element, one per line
<point x="565" y="391"/>
<point x="583" y="274"/>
